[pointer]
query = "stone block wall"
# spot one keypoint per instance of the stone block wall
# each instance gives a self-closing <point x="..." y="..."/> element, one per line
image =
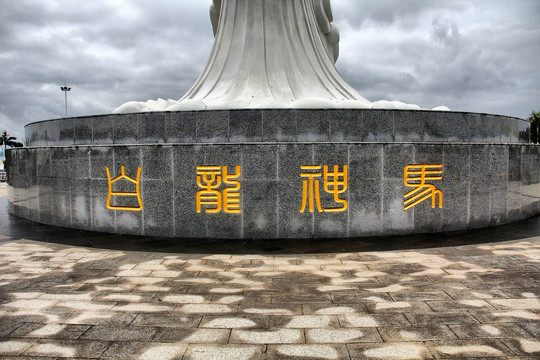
<point x="484" y="175"/>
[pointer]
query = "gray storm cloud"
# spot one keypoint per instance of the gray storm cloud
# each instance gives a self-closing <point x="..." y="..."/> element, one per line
<point x="475" y="56"/>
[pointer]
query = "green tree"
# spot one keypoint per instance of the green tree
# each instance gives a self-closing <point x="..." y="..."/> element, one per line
<point x="535" y="127"/>
<point x="7" y="140"/>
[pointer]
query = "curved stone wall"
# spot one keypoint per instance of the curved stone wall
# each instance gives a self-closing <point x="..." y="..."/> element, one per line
<point x="280" y="125"/>
<point x="276" y="173"/>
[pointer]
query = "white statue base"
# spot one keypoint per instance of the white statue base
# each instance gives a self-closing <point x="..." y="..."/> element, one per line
<point x="270" y="55"/>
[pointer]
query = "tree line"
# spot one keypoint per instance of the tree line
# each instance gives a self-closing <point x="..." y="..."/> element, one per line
<point x="535" y="127"/>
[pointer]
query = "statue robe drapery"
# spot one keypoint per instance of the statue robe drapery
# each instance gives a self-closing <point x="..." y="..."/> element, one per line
<point x="271" y="53"/>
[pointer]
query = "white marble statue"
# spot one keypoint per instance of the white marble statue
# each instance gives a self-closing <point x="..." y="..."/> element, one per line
<point x="269" y="54"/>
<point x="272" y="54"/>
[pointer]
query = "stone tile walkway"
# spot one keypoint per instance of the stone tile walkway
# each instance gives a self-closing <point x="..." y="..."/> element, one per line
<point x="62" y="301"/>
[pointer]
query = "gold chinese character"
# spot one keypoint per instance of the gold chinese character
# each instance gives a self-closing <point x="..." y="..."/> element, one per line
<point x="136" y="194"/>
<point x="334" y="183"/>
<point x="310" y="184"/>
<point x="416" y="176"/>
<point x="209" y="179"/>
<point x="231" y="195"/>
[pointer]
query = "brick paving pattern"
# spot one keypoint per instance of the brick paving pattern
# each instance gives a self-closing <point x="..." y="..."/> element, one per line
<point x="60" y="301"/>
<point x="474" y="301"/>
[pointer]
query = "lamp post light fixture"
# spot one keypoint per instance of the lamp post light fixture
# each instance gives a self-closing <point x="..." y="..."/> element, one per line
<point x="65" y="89"/>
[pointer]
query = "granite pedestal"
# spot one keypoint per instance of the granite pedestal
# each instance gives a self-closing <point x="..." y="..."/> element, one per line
<point x="276" y="173"/>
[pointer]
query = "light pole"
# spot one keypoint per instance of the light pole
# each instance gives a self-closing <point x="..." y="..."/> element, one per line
<point x="65" y="89"/>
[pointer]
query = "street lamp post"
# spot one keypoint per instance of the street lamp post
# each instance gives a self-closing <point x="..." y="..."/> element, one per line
<point x="65" y="89"/>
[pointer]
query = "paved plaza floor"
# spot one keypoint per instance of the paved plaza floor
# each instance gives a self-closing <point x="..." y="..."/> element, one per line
<point x="81" y="295"/>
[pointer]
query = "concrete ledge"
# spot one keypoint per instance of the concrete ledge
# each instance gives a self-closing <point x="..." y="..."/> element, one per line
<point x="283" y="125"/>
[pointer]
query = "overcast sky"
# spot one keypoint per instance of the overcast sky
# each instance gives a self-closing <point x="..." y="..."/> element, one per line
<point x="469" y="55"/>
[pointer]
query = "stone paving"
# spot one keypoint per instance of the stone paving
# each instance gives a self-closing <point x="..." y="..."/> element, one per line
<point x="476" y="301"/>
